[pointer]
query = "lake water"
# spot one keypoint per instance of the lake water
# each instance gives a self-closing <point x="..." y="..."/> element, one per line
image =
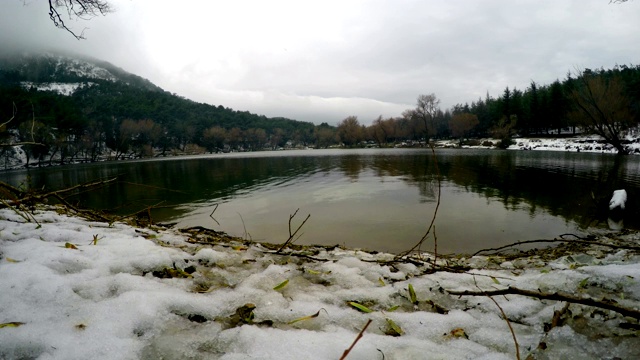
<point x="378" y="199"/>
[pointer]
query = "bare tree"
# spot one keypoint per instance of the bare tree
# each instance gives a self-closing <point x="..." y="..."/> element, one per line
<point x="462" y="123"/>
<point x="426" y="109"/>
<point x="602" y="107"/>
<point x="80" y="9"/>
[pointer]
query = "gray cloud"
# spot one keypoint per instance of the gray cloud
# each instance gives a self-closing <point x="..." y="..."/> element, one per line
<point x="323" y="61"/>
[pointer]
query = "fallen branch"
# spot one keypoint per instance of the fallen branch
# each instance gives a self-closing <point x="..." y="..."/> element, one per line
<point x="602" y="304"/>
<point x="628" y="247"/>
<point x="346" y="352"/>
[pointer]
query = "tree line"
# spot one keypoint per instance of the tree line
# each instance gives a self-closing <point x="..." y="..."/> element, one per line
<point x="603" y="102"/>
<point x="127" y="120"/>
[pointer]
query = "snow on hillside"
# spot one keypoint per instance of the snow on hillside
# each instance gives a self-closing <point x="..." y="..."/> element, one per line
<point x="61" y="88"/>
<point x="74" y="289"/>
<point x="85" y="69"/>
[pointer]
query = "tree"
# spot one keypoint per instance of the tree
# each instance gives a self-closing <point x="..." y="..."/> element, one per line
<point x="533" y="109"/>
<point x="234" y="137"/>
<point x="213" y="138"/>
<point x="324" y="135"/>
<point x="414" y="125"/>
<point x="557" y="106"/>
<point x="426" y="110"/>
<point x="37" y="139"/>
<point x="462" y="123"/>
<point x="80" y="9"/>
<point x="503" y="131"/>
<point x="255" y="138"/>
<point x="601" y="106"/>
<point x="382" y="131"/>
<point x="350" y="131"/>
<point x="505" y="101"/>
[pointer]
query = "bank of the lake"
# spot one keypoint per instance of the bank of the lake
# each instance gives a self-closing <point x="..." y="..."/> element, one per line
<point x="75" y="289"/>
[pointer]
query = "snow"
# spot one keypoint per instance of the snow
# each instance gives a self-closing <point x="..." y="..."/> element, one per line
<point x="578" y="143"/>
<point x="66" y="89"/>
<point x="104" y="301"/>
<point x="618" y="199"/>
<point x="584" y="143"/>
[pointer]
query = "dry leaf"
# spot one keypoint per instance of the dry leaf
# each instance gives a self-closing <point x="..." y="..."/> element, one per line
<point x="360" y="307"/>
<point x="11" y="324"/>
<point x="393" y="329"/>
<point x="309" y="317"/>
<point x="281" y="285"/>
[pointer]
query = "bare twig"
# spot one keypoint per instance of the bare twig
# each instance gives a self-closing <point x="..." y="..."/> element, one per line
<point x="435" y="213"/>
<point x="246" y="236"/>
<point x="346" y="352"/>
<point x="24" y="215"/>
<point x="513" y="334"/>
<point x="82" y="9"/>
<point x="211" y="215"/>
<point x="435" y="247"/>
<point x="504" y="315"/>
<point x="603" y="304"/>
<point x="292" y="235"/>
<point x="144" y="212"/>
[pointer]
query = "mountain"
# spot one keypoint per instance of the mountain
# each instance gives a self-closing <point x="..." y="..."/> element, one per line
<point x="49" y="68"/>
<point x="88" y="109"/>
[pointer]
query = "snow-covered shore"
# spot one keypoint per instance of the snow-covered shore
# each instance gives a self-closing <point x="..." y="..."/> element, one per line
<point x="580" y="143"/>
<point x="75" y="289"/>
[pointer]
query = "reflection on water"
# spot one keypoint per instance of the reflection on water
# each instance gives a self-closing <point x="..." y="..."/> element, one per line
<point x="375" y="199"/>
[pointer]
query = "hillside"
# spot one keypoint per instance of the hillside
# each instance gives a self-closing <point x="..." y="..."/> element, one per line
<point x="41" y="70"/>
<point x="83" y="108"/>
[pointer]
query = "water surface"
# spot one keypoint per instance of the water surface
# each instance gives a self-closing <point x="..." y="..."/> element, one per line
<point x="378" y="199"/>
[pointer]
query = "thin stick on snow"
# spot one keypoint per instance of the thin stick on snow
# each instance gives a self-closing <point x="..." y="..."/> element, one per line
<point x="346" y="352"/>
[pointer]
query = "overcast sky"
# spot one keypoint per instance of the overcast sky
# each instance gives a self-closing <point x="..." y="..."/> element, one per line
<point x="325" y="60"/>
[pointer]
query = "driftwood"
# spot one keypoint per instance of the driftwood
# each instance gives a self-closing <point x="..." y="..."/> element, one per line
<point x="572" y="241"/>
<point x="607" y="304"/>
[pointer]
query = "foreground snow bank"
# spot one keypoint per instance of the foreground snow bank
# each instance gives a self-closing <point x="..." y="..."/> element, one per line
<point x="73" y="289"/>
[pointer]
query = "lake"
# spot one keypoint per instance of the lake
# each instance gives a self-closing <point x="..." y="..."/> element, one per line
<point x="376" y="199"/>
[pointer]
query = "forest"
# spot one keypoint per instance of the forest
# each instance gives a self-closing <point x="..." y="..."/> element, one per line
<point x="132" y="118"/>
<point x="603" y="102"/>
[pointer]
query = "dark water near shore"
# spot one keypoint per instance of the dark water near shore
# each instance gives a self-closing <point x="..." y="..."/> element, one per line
<point x="375" y="199"/>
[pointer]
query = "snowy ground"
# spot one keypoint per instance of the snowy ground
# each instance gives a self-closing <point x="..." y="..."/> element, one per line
<point x="580" y="143"/>
<point x="74" y="289"/>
